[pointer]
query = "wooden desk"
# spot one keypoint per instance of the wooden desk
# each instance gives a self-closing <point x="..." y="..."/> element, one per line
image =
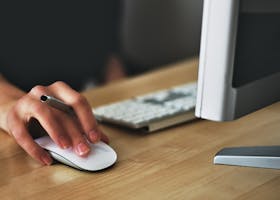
<point x="175" y="163"/>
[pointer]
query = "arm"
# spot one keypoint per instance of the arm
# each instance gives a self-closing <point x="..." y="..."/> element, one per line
<point x="9" y="95"/>
<point x="17" y="108"/>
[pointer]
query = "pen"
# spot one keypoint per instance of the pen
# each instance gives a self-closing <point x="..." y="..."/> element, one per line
<point x="58" y="104"/>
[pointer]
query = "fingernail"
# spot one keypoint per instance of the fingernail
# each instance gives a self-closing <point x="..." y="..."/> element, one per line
<point x="63" y="143"/>
<point x="46" y="159"/>
<point x="94" y="136"/>
<point x="82" y="149"/>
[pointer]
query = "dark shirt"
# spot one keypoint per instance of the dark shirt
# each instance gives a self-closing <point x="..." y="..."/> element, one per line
<point x="45" y="41"/>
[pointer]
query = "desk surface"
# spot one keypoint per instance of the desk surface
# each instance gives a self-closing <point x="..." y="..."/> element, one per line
<point x="174" y="163"/>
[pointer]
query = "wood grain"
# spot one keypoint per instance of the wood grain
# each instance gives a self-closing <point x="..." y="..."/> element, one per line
<point x="175" y="163"/>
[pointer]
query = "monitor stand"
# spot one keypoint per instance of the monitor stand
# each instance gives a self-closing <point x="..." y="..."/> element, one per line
<point x="261" y="156"/>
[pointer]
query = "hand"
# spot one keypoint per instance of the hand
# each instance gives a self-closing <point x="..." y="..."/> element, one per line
<point x="65" y="130"/>
<point x="114" y="69"/>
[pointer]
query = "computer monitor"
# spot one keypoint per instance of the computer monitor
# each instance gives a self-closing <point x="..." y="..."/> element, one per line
<point x="239" y="69"/>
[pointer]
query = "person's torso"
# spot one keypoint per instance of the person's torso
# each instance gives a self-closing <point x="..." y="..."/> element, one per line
<point x="41" y="42"/>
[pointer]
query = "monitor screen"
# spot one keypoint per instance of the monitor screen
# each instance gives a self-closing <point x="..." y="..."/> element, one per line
<point x="257" y="52"/>
<point x="239" y="66"/>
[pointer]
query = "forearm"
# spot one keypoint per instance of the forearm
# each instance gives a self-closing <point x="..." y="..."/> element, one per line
<point x="8" y="91"/>
<point x="9" y="95"/>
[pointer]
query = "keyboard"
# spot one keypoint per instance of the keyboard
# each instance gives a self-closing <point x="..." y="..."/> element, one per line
<point x="152" y="111"/>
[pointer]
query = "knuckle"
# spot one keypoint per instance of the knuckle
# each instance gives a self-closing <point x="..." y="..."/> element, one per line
<point x="79" y="99"/>
<point x="59" y="84"/>
<point x="23" y="101"/>
<point x="39" y="109"/>
<point x="38" y="90"/>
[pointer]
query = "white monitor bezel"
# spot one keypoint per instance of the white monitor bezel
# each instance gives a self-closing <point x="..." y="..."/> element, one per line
<point x="216" y="98"/>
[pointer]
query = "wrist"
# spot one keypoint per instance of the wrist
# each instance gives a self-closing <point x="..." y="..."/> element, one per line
<point x="7" y="101"/>
<point x="4" y="110"/>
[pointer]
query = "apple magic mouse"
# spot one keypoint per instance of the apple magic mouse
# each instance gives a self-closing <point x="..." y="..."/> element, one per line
<point x="100" y="157"/>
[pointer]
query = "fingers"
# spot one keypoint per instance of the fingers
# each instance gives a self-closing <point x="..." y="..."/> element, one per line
<point x="18" y="130"/>
<point x="84" y="114"/>
<point x="29" y="107"/>
<point x="79" y="142"/>
<point x="65" y="130"/>
<point x="82" y="109"/>
<point x="66" y="123"/>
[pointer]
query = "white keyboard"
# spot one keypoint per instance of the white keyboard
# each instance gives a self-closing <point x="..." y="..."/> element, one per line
<point x="152" y="111"/>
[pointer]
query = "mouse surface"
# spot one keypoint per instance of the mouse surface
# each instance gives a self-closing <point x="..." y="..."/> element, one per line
<point x="100" y="157"/>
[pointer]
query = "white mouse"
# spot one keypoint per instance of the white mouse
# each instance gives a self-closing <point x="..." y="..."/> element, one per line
<point x="100" y="157"/>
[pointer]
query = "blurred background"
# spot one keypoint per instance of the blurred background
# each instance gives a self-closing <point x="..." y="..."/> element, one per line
<point x="94" y="42"/>
<point x="156" y="32"/>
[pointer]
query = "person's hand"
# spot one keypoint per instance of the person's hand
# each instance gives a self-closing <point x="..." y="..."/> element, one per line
<point x="65" y="130"/>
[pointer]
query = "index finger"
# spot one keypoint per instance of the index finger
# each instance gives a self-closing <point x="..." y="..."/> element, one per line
<point x="81" y="107"/>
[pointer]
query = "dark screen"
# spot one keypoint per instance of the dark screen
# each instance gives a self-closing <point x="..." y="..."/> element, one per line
<point x="257" y="52"/>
